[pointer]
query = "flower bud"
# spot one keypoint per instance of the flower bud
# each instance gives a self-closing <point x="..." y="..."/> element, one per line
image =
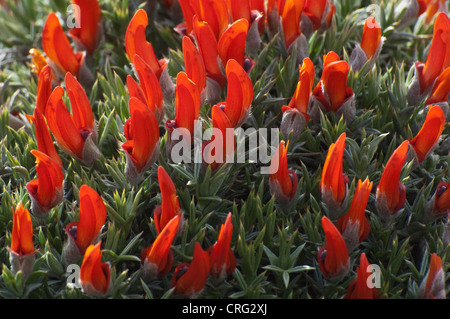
<point x="95" y="276"/>
<point x="433" y="284"/>
<point x="359" y="288"/>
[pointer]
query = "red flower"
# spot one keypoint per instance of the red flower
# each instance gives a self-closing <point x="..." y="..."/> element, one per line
<point x="319" y="12"/>
<point x="239" y="94"/>
<point x="354" y="225"/>
<point x="136" y="43"/>
<point x="47" y="190"/>
<point x="43" y="138"/>
<point x="333" y="184"/>
<point x="442" y="203"/>
<point x="221" y="257"/>
<point x="332" y="91"/>
<point x="57" y="47"/>
<point x="190" y="279"/>
<point x="193" y="64"/>
<point x="220" y="149"/>
<point x="214" y="13"/>
<point x="95" y="276"/>
<point x="433" y="284"/>
<point x="76" y="134"/>
<point x="170" y="206"/>
<point x="86" y="230"/>
<point x="142" y="145"/>
<point x="428" y="137"/>
<point x="149" y="91"/>
<point x="44" y="89"/>
<point x="441" y="89"/>
<point x="358" y="288"/>
<point x="333" y="258"/>
<point x="87" y="34"/>
<point x="391" y="193"/>
<point x="157" y="259"/>
<point x="283" y="181"/>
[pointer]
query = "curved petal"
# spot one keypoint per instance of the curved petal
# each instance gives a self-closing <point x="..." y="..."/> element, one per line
<point x="371" y="37"/>
<point x="79" y="102"/>
<point x="149" y="84"/>
<point x="193" y="63"/>
<point x="232" y="42"/>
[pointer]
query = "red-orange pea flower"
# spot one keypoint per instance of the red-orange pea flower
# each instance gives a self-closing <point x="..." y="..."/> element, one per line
<point x="43" y="137"/>
<point x="88" y="33"/>
<point x="221" y="257"/>
<point x="391" y="193"/>
<point x="333" y="184"/>
<point x="295" y="116"/>
<point x="136" y="43"/>
<point x="170" y="206"/>
<point x="439" y="205"/>
<point x="317" y="15"/>
<point x="142" y="145"/>
<point x="438" y="59"/>
<point x="282" y="181"/>
<point x="354" y="225"/>
<point x="371" y="44"/>
<point x="290" y="20"/>
<point x="333" y="258"/>
<point x="157" y="259"/>
<point x="194" y="65"/>
<point x="95" y="276"/>
<point x="22" y="248"/>
<point x="428" y="137"/>
<point x="440" y="91"/>
<point x="332" y="92"/>
<point x="185" y="27"/>
<point x="62" y="58"/>
<point x="190" y="279"/>
<point x="359" y="288"/>
<point x="214" y="13"/>
<point x="44" y="89"/>
<point x="220" y="149"/>
<point x="85" y="231"/>
<point x="75" y="133"/>
<point x="239" y="94"/>
<point x="433" y="284"/>
<point x="149" y="89"/>
<point x="47" y="190"/>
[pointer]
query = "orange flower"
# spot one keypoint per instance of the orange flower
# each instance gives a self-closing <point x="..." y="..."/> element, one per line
<point x="95" y="276"/>
<point x="319" y="12"/>
<point x="189" y="280"/>
<point x="38" y="60"/>
<point x="187" y="107"/>
<point x="333" y="258"/>
<point x="22" y="232"/>
<point x="358" y="288"/>
<point x="283" y="181"/>
<point x="427" y="138"/>
<point x="333" y="184"/>
<point x="354" y="225"/>
<point x="391" y="193"/>
<point x="186" y="27"/>
<point x="220" y="149"/>
<point x="290" y="19"/>
<point x="441" y="89"/>
<point x="44" y="89"/>
<point x="221" y="257"/>
<point x="57" y="47"/>
<point x="433" y="284"/>
<point x="47" y="190"/>
<point x="86" y="230"/>
<point x="295" y="116"/>
<point x="43" y="138"/>
<point x="371" y="38"/>
<point x="149" y="91"/>
<point x="214" y="13"/>
<point x="77" y="134"/>
<point x="22" y="252"/>
<point x="239" y="94"/>
<point x="170" y="206"/>
<point x="193" y="64"/>
<point x="136" y="43"/>
<point x="88" y="33"/>
<point x="438" y="59"/>
<point x="332" y="91"/>
<point x="157" y="259"/>
<point x="142" y="145"/>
